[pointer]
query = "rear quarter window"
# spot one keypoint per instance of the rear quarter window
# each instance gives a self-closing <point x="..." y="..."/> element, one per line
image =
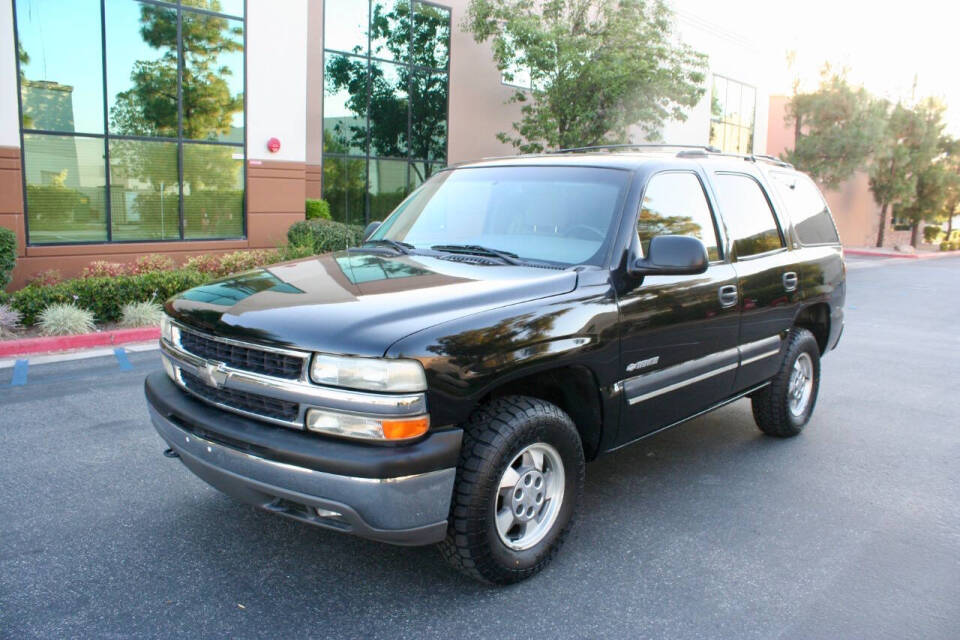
<point x="806" y="207"/>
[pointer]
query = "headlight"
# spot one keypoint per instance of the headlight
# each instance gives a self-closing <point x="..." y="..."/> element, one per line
<point x="369" y="374"/>
<point x="366" y="427"/>
<point x="167" y="329"/>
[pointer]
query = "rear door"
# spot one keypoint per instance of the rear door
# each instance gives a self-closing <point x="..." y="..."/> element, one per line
<point x="768" y="274"/>
<point x="678" y="333"/>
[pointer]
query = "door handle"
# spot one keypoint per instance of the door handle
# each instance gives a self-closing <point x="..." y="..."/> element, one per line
<point x="727" y="294"/>
<point x="790" y="281"/>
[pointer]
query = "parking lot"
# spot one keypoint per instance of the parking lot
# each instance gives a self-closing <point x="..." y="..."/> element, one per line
<point x="709" y="530"/>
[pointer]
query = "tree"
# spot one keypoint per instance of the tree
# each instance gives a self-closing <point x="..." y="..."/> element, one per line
<point x="951" y="199"/>
<point x="901" y="172"/>
<point x="891" y="178"/>
<point x="930" y="150"/>
<point x="597" y="68"/>
<point x="835" y="129"/>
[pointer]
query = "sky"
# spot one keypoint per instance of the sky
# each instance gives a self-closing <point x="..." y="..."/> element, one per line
<point x="886" y="46"/>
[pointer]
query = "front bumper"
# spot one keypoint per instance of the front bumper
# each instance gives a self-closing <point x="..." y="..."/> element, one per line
<point x="396" y="494"/>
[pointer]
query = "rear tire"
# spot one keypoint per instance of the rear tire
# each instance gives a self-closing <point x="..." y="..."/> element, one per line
<point x="520" y="455"/>
<point x="783" y="408"/>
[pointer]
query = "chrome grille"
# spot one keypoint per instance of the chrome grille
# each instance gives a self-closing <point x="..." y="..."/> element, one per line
<point x="268" y="363"/>
<point x="242" y="401"/>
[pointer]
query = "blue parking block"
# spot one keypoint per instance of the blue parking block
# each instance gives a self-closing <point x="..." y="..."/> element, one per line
<point x="19" y="373"/>
<point x="121" y="356"/>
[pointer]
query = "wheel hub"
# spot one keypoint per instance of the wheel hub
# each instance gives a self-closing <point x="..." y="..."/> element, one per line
<point x="527" y="496"/>
<point x="800" y="386"/>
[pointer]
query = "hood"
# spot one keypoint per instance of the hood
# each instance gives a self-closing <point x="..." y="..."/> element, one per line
<point x="357" y="302"/>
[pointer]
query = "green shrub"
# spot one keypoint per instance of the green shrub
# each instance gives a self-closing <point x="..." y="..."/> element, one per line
<point x="151" y="263"/>
<point x="245" y="260"/>
<point x="930" y="233"/>
<point x="105" y="296"/>
<point x="8" y="256"/>
<point x="104" y="269"/>
<point x="949" y="246"/>
<point x="141" y="314"/>
<point x="46" y="278"/>
<point x="204" y="263"/>
<point x="317" y="209"/>
<point x="64" y="319"/>
<point x="323" y="236"/>
<point x="9" y="320"/>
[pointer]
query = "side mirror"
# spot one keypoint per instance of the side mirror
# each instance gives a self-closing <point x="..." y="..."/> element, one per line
<point x="672" y="256"/>
<point x="373" y="226"/>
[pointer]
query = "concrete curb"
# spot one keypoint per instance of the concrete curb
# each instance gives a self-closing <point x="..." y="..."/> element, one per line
<point x="911" y="256"/>
<point x="81" y="341"/>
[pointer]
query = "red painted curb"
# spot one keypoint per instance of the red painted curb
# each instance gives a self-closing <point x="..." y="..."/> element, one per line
<point x="926" y="255"/>
<point x="879" y="254"/>
<point x="81" y="341"/>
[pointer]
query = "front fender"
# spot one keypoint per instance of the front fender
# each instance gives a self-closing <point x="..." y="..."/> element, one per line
<point x="465" y="359"/>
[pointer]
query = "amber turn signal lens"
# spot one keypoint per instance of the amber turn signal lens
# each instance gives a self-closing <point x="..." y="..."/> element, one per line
<point x="403" y="429"/>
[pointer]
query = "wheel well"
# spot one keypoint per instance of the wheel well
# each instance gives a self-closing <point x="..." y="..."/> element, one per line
<point x="816" y="319"/>
<point x="573" y="389"/>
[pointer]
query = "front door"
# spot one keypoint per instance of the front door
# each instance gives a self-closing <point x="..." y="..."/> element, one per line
<point x="678" y="333"/>
<point x="768" y="274"/>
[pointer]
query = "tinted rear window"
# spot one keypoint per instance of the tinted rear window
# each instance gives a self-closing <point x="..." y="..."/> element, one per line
<point x="748" y="215"/>
<point x="807" y="208"/>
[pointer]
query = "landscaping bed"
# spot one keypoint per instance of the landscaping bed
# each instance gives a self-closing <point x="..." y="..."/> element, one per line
<point x="111" y="296"/>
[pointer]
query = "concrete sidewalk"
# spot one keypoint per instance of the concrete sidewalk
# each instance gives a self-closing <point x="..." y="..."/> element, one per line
<point x="887" y="252"/>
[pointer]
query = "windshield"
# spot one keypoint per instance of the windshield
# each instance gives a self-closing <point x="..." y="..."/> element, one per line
<point x="560" y="215"/>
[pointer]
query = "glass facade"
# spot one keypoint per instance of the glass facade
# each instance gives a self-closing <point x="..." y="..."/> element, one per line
<point x="733" y="107"/>
<point x="386" y="90"/>
<point x="133" y="119"/>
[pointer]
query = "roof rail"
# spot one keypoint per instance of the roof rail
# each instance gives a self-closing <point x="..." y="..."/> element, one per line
<point x="646" y="145"/>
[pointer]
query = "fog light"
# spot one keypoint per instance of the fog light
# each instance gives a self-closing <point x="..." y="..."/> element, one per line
<point x="365" y="427"/>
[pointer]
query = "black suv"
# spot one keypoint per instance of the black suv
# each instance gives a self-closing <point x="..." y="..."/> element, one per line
<point x="445" y="381"/>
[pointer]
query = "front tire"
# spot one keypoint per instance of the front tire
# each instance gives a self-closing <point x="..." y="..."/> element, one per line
<point x="783" y="408"/>
<point x="519" y="481"/>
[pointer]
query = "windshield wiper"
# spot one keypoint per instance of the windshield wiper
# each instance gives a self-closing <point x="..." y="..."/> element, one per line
<point x="401" y="247"/>
<point x="475" y="249"/>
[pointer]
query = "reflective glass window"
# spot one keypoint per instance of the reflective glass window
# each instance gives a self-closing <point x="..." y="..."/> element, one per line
<point x="345" y="104"/>
<point x="344" y="187"/>
<point x="144" y="190"/>
<point x="389" y="109"/>
<point x="212" y="77"/>
<point x="61" y="65"/>
<point x="141" y="69"/>
<point x="174" y="72"/>
<point x="732" y="115"/>
<point x="212" y="191"/>
<point x="388" y="186"/>
<point x="345" y="25"/>
<point x="385" y="100"/>
<point x="431" y="36"/>
<point x="66" y="199"/>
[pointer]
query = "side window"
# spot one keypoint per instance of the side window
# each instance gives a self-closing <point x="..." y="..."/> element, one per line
<point x="807" y="208"/>
<point x="748" y="215"/>
<point x="674" y="204"/>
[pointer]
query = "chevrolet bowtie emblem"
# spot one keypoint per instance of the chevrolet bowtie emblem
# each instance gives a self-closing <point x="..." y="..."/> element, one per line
<point x="213" y="374"/>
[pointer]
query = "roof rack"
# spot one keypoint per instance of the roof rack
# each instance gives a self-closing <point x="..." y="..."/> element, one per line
<point x="650" y="145"/>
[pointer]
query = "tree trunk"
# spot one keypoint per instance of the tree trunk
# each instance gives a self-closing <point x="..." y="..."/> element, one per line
<point x="883" y="224"/>
<point x="913" y="234"/>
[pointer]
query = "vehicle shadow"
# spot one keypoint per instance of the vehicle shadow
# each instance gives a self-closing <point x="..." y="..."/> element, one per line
<point x="640" y="501"/>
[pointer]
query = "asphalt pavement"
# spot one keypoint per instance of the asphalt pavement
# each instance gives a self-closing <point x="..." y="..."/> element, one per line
<point x="709" y="530"/>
